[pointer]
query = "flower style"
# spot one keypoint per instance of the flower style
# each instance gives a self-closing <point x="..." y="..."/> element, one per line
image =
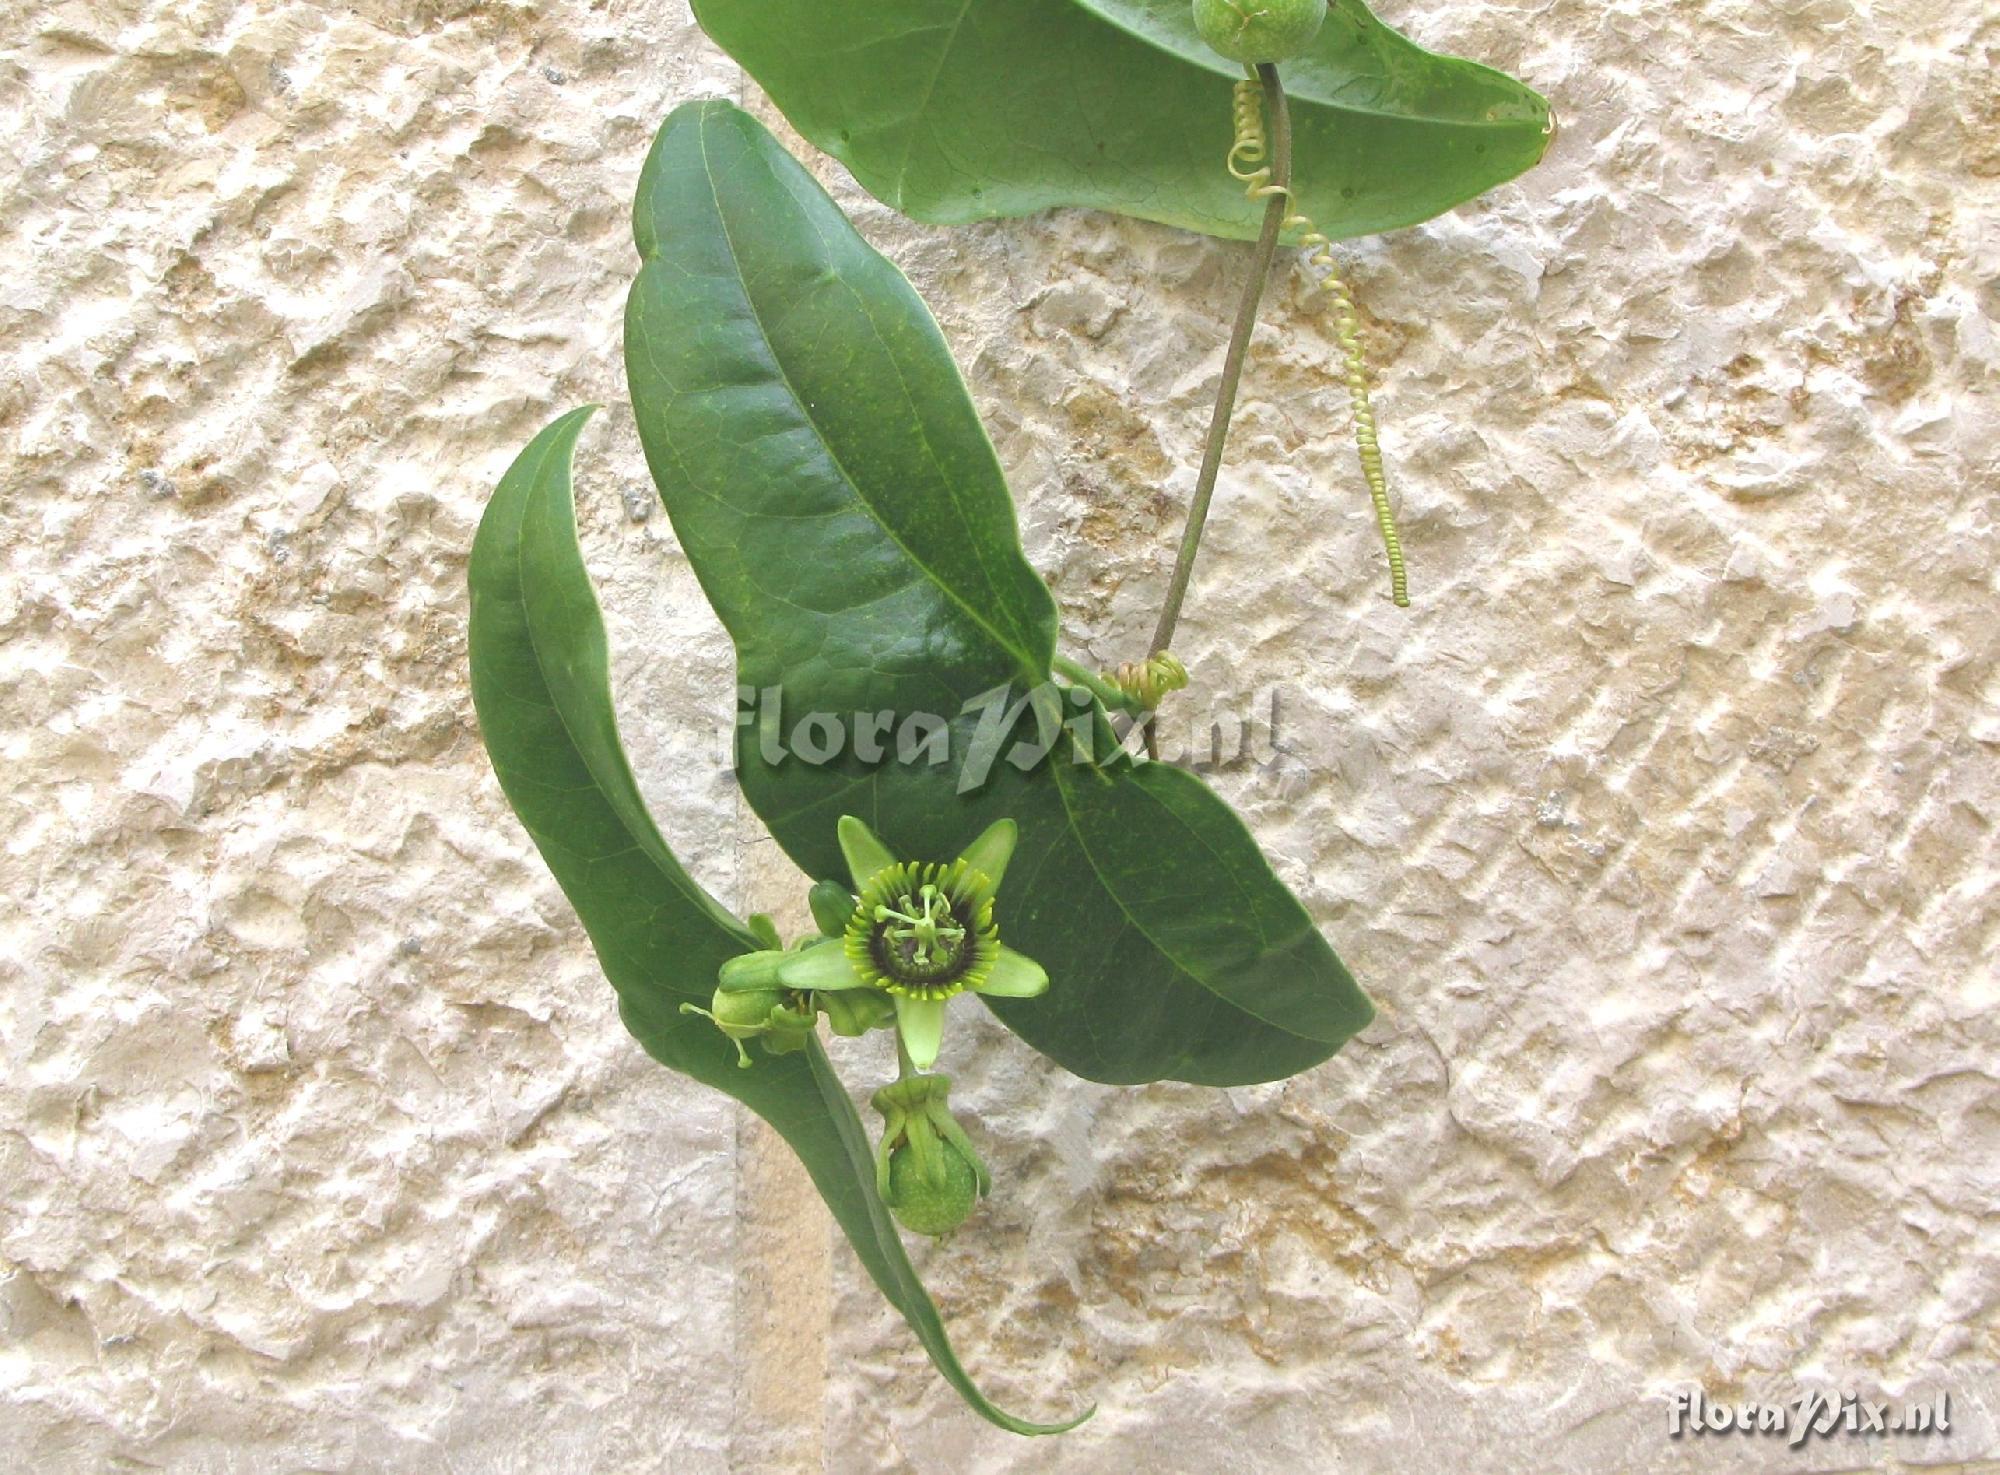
<point x="919" y="932"/>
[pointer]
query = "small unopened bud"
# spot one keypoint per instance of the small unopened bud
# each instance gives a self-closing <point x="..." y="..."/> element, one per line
<point x="1259" y="30"/>
<point x="832" y="904"/>
<point x="765" y="930"/>
<point x="749" y="1003"/>
<point x="742" y="1014"/>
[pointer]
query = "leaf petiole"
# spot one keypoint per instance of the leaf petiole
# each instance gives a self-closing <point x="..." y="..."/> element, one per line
<point x="1239" y="346"/>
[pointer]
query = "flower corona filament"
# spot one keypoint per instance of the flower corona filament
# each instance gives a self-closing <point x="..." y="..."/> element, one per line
<point x="924" y="931"/>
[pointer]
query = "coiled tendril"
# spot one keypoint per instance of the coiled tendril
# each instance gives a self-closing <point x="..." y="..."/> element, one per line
<point x="1146" y="682"/>
<point x="1247" y="163"/>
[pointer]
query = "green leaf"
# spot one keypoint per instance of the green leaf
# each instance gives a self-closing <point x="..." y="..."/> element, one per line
<point x="542" y="689"/>
<point x="956" y="110"/>
<point x="848" y="520"/>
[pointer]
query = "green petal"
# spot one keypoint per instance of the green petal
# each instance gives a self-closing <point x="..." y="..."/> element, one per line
<point x="1014" y="976"/>
<point x="865" y="854"/>
<point x="823" y="967"/>
<point x="990" y="853"/>
<point x="921" y="1024"/>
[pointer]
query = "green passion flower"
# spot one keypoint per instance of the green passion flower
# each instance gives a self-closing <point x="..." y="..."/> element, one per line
<point x="919" y="932"/>
<point x="923" y="931"/>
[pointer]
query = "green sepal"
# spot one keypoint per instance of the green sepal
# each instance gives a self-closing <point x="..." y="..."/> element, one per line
<point x="789" y="1029"/>
<point x="865" y="854"/>
<point x="990" y="853"/>
<point x="851" y="1013"/>
<point x="751" y="972"/>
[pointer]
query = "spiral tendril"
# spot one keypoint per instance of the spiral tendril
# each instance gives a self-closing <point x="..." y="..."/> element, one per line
<point x="1148" y="681"/>
<point x="1247" y="155"/>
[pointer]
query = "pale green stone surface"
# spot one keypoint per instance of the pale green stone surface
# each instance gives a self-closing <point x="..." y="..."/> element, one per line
<point x="1661" y="828"/>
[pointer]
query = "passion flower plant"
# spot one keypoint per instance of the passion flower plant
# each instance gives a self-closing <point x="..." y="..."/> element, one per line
<point x="833" y="489"/>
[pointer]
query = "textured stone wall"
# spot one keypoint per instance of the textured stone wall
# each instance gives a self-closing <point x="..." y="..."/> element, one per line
<point x="1662" y="828"/>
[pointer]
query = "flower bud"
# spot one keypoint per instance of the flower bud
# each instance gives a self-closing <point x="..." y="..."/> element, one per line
<point x="750" y="1003"/>
<point x="742" y="1014"/>
<point x="926" y="1168"/>
<point x="765" y="930"/>
<point x="832" y="904"/>
<point x="1259" y="30"/>
<point x="935" y="1197"/>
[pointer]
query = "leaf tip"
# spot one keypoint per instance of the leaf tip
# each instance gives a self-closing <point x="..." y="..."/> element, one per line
<point x="1022" y="1426"/>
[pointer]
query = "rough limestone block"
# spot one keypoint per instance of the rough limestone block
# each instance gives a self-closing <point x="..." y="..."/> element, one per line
<point x="1661" y="828"/>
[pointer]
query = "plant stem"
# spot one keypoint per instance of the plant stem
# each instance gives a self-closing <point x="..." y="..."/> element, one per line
<point x="905" y="1067"/>
<point x="1081" y="675"/>
<point x="1239" y="345"/>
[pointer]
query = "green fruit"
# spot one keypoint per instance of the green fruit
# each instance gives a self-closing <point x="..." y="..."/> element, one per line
<point x="1259" y="30"/>
<point x="932" y="1205"/>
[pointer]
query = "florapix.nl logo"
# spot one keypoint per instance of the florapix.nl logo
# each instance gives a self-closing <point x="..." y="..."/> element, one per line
<point x="1004" y="724"/>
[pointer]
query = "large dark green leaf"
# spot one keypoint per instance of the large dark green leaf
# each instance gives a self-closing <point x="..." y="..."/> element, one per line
<point x="846" y="515"/>
<point x="955" y="110"/>
<point x="540" y="683"/>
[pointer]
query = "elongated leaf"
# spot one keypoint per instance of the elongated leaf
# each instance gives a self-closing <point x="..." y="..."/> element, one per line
<point x="846" y="515"/>
<point x="956" y="110"/>
<point x="540" y="683"/>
